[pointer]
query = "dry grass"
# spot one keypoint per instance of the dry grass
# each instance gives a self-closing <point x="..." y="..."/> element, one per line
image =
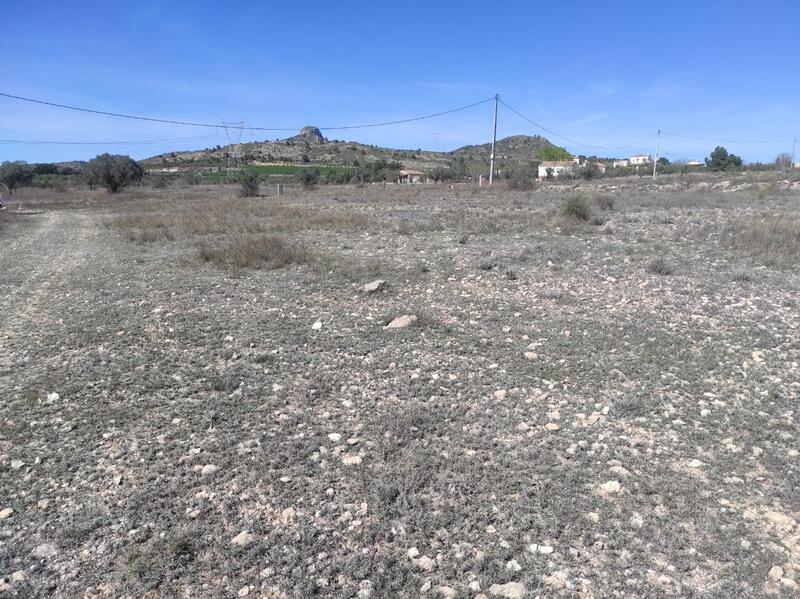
<point x="774" y="240"/>
<point x="256" y="251"/>
<point x="233" y="217"/>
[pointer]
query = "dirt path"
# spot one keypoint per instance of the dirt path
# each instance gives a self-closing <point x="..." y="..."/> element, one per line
<point x="37" y="273"/>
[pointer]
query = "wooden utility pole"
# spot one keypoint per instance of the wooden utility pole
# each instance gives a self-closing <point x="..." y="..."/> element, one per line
<point x="655" y="162"/>
<point x="494" y="139"/>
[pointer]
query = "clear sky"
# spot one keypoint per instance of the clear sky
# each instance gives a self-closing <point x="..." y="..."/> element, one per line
<point x="603" y="73"/>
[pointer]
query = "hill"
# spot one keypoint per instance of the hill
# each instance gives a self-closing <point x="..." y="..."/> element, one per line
<point x="309" y="147"/>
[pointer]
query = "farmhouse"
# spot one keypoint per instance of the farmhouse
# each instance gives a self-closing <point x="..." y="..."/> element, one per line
<point x="641" y="159"/>
<point x="619" y="163"/>
<point x="409" y="176"/>
<point x="556" y="168"/>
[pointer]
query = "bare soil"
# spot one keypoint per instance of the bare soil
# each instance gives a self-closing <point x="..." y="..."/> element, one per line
<point x="595" y="408"/>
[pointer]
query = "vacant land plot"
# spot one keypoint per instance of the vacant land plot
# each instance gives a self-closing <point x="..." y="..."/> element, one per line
<point x="598" y="396"/>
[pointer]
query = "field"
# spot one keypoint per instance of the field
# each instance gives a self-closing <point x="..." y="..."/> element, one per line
<point x="597" y="397"/>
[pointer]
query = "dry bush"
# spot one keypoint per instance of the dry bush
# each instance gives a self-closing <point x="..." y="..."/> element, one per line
<point x="576" y="208"/>
<point x="660" y="266"/>
<point x="773" y="240"/>
<point x="255" y="251"/>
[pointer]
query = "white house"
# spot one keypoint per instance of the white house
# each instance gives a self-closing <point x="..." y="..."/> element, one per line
<point x="411" y="176"/>
<point x="695" y="163"/>
<point x="618" y="163"/>
<point x="556" y="168"/>
<point x="639" y="159"/>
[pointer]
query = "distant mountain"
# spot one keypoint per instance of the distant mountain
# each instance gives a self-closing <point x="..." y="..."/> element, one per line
<point x="310" y="147"/>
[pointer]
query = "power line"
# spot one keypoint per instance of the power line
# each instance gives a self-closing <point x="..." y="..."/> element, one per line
<point x="572" y="141"/>
<point x="216" y="125"/>
<point x="730" y="141"/>
<point x="105" y="143"/>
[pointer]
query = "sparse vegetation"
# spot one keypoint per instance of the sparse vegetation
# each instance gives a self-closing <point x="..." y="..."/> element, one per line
<point x="660" y="266"/>
<point x="216" y="407"/>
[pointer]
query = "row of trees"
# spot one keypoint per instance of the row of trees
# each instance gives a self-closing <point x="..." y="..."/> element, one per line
<point x="112" y="171"/>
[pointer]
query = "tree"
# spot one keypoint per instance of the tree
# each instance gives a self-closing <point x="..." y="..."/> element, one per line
<point x="784" y="159"/>
<point x="553" y="153"/>
<point x="720" y="160"/>
<point x="663" y="161"/>
<point x="248" y="178"/>
<point x="441" y="173"/>
<point x="15" y="174"/>
<point x="112" y="171"/>
<point x="308" y="177"/>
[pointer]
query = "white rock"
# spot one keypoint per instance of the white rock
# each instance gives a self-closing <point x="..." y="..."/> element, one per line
<point x="335" y="437"/>
<point x="413" y="552"/>
<point x="500" y="394"/>
<point x="374" y="286"/>
<point x="243" y="539"/>
<point x="17" y="464"/>
<point x="53" y="396"/>
<point x="529" y="355"/>
<point x="610" y="487"/>
<point x="351" y="460"/>
<point x="18" y="576"/>
<point x="208" y="469"/>
<point x="244" y="591"/>
<point x="425" y="563"/>
<point x="513" y="566"/>
<point x="776" y="573"/>
<point x="545" y="549"/>
<point x="317" y="325"/>
<point x="695" y="463"/>
<point x="45" y="550"/>
<point x="637" y="521"/>
<point x="400" y="322"/>
<point x="509" y="590"/>
<point x="6" y="512"/>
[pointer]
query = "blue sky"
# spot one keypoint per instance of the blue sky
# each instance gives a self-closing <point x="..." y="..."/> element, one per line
<point x="602" y="73"/>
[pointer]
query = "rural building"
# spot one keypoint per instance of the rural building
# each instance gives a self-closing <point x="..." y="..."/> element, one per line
<point x="556" y="168"/>
<point x="796" y="165"/>
<point x="408" y="176"/>
<point x="695" y="163"/>
<point x="618" y="163"/>
<point x="641" y="159"/>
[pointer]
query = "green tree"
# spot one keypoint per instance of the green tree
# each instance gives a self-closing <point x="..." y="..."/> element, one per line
<point x="721" y="160"/>
<point x="663" y="161"/>
<point x="308" y="177"/>
<point x="15" y="174"/>
<point x="441" y="173"/>
<point x="112" y="171"/>
<point x="249" y="180"/>
<point x="553" y="153"/>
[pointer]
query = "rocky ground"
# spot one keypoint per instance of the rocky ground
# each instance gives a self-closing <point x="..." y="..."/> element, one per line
<point x="597" y="409"/>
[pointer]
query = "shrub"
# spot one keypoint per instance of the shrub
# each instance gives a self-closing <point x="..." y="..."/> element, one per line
<point x="253" y="251"/>
<point x="192" y="177"/>
<point x="112" y="171"/>
<point x="578" y="207"/>
<point x="660" y="266"/>
<point x="308" y="177"/>
<point x="248" y="179"/>
<point x="15" y="174"/>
